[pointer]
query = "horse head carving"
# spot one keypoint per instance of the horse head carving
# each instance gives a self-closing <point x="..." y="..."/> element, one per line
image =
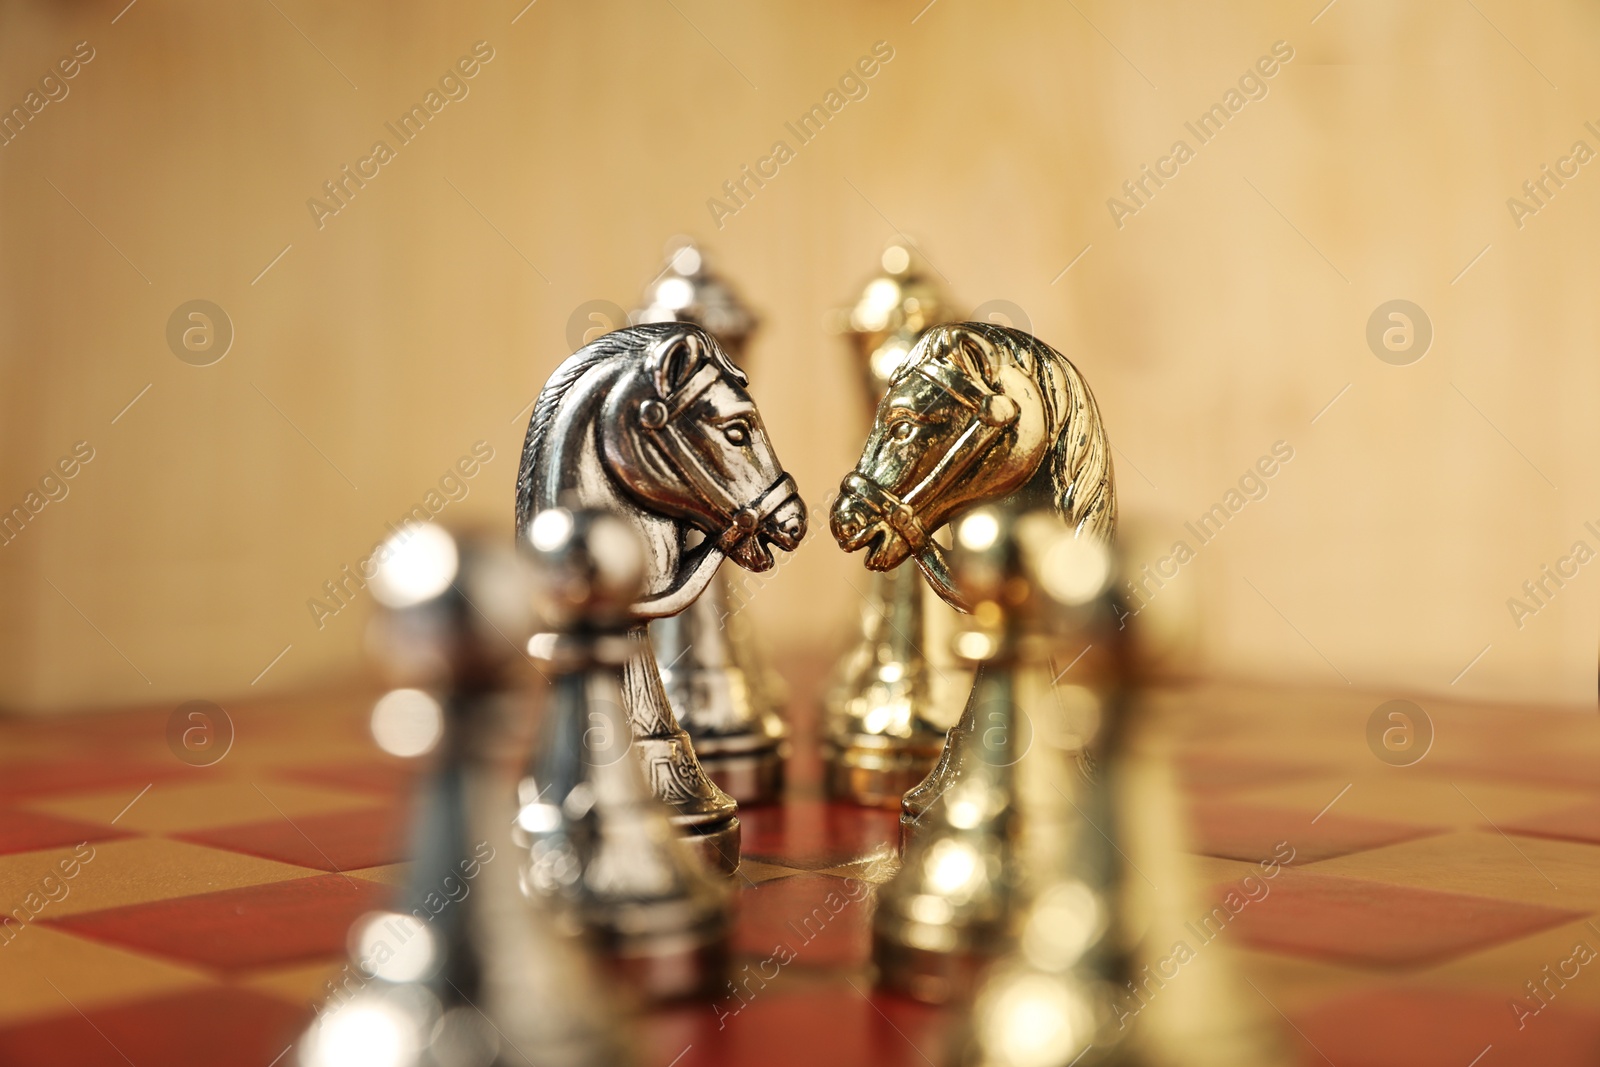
<point x="654" y="422"/>
<point x="977" y="413"/>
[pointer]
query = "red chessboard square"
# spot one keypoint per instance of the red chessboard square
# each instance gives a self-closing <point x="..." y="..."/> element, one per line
<point x="1579" y="823"/>
<point x="24" y="831"/>
<point x="337" y="841"/>
<point x="92" y="773"/>
<point x="196" y="1029"/>
<point x="791" y="1023"/>
<point x="1440" y="1028"/>
<point x="1355" y="921"/>
<point x="1251" y="833"/>
<point x="814" y="834"/>
<point x="239" y="929"/>
<point x="808" y="920"/>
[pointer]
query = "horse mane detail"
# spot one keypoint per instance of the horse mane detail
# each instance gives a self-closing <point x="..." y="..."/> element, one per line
<point x="1082" y="480"/>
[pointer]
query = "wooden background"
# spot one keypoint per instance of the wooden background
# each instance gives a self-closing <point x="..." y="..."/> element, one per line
<point x="1221" y="318"/>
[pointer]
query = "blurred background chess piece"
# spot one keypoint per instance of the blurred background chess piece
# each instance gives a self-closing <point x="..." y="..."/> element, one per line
<point x="955" y="901"/>
<point x="591" y="833"/>
<point x="1109" y="966"/>
<point x="720" y="684"/>
<point x="462" y="969"/>
<point x="897" y="690"/>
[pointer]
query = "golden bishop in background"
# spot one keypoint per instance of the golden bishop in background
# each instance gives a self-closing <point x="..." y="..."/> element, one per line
<point x="897" y="690"/>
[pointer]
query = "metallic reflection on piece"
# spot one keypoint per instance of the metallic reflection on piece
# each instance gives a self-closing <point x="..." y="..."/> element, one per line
<point x="461" y="969"/>
<point x="976" y="413"/>
<point x="1108" y="968"/>
<point x="654" y="424"/>
<point x="720" y="690"/>
<point x="687" y="290"/>
<point x="883" y="724"/>
<point x="720" y="687"/>
<point x="955" y="903"/>
<point x="593" y="835"/>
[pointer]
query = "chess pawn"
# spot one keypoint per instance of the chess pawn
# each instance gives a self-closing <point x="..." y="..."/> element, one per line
<point x="592" y="834"/>
<point x="1106" y="969"/>
<point x="461" y="970"/>
<point x="956" y="900"/>
<point x="884" y="714"/>
<point x="720" y="687"/>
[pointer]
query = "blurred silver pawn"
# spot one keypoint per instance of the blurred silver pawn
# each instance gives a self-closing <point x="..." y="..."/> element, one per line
<point x="463" y="971"/>
<point x="592" y="834"/>
<point x="719" y="684"/>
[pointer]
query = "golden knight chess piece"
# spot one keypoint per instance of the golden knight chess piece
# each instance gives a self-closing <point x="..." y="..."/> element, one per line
<point x="461" y="969"/>
<point x="976" y="413"/>
<point x="724" y="693"/>
<point x="884" y="717"/>
<point x="654" y="424"/>
<point x="592" y="833"/>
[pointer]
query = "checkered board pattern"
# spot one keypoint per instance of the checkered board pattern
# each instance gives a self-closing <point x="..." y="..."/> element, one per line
<point x="213" y="906"/>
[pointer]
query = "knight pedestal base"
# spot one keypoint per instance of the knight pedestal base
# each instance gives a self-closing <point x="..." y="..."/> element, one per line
<point x="749" y="773"/>
<point x="717" y="844"/>
<point x="704" y="816"/>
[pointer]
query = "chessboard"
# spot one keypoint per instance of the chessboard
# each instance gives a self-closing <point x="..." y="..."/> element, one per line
<point x="1437" y="914"/>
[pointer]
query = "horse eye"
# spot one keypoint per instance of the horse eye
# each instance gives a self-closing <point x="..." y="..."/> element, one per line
<point x="736" y="434"/>
<point x="903" y="430"/>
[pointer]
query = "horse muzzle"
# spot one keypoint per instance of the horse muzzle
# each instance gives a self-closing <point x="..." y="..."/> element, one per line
<point x="857" y="524"/>
<point x="755" y="527"/>
<point x="786" y="527"/>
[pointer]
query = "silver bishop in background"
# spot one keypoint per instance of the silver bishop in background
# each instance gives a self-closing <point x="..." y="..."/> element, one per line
<point x="721" y="687"/>
<point x="462" y="971"/>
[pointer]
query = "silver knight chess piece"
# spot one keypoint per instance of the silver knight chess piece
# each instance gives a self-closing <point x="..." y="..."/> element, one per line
<point x="654" y="423"/>
<point x="594" y="836"/>
<point x="461" y="969"/>
<point x="977" y="413"/>
<point x="885" y="713"/>
<point x="725" y="695"/>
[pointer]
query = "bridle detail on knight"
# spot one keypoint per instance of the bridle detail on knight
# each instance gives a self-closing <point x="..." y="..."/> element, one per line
<point x="654" y="421"/>
<point x="991" y="413"/>
<point x="977" y="412"/>
<point x="659" y="420"/>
